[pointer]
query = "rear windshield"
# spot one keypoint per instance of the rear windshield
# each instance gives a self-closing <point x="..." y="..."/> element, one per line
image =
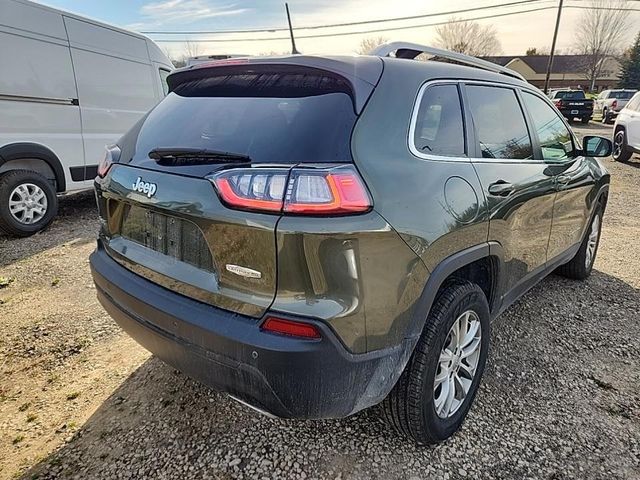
<point x="271" y="117"/>
<point x="621" y="95"/>
<point x="577" y="95"/>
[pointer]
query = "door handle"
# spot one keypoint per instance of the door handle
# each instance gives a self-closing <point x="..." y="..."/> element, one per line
<point x="501" y="188"/>
<point x="563" y="179"/>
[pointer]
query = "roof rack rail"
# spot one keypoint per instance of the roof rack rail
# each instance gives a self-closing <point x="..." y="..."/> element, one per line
<point x="412" y="50"/>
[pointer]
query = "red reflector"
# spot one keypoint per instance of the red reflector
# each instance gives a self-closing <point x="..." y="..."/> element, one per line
<point x="290" y="327"/>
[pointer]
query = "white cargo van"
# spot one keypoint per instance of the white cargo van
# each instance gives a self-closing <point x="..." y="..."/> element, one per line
<point x="68" y="87"/>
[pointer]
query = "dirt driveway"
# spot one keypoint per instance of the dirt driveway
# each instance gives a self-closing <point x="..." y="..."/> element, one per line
<point x="79" y="399"/>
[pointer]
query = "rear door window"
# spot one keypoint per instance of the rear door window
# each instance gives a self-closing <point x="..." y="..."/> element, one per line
<point x="555" y="139"/>
<point x="273" y="117"/>
<point x="438" y="128"/>
<point x="499" y="122"/>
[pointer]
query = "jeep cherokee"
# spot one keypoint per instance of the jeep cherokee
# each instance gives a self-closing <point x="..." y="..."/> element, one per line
<point x="318" y="235"/>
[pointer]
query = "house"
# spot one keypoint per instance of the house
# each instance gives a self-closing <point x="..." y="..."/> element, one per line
<point x="567" y="71"/>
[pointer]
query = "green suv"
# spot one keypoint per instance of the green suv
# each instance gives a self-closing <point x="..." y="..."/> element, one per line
<point x="318" y="235"/>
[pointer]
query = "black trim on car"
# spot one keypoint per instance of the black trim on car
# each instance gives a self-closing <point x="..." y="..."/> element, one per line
<point x="26" y="150"/>
<point x="87" y="172"/>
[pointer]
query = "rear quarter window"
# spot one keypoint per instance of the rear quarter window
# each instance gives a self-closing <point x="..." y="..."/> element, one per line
<point x="438" y="128"/>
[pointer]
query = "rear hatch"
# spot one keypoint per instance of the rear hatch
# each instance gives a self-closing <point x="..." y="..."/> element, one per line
<point x="244" y="125"/>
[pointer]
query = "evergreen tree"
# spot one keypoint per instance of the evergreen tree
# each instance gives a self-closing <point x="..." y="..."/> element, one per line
<point x="630" y="73"/>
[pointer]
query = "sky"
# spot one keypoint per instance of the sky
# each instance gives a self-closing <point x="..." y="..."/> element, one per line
<point x="515" y="32"/>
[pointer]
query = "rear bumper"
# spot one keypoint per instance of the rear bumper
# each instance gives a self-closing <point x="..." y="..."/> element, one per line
<point x="582" y="112"/>
<point x="285" y="376"/>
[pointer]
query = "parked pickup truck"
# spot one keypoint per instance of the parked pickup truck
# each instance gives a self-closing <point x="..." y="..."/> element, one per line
<point x="610" y="102"/>
<point x="573" y="104"/>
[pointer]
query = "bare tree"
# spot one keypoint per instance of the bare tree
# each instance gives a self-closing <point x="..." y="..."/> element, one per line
<point x="602" y="28"/>
<point x="468" y="37"/>
<point x="191" y="49"/>
<point x="369" y="43"/>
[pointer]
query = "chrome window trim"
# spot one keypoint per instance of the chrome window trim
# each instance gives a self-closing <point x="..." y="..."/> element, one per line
<point x="468" y="158"/>
<point x="414" y="120"/>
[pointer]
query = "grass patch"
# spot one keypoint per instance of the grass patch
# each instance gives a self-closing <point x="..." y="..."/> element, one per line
<point x="55" y="282"/>
<point x="73" y="395"/>
<point x="17" y="439"/>
<point x="24" y="406"/>
<point x="31" y="417"/>
<point x="6" y="281"/>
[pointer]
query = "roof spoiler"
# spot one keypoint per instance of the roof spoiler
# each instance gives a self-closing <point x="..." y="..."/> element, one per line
<point x="412" y="50"/>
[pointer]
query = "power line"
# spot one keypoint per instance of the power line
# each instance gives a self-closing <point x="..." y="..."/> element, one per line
<point x="387" y="29"/>
<point x="348" y="24"/>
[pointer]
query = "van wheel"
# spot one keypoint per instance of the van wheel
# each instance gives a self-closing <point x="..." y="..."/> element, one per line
<point x="581" y="265"/>
<point x="436" y="389"/>
<point x="28" y="202"/>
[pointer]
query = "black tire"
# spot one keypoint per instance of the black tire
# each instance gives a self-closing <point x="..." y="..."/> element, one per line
<point x="9" y="181"/>
<point x="410" y="407"/>
<point x="621" y="151"/>
<point x="604" y="115"/>
<point x="578" y="268"/>
<point x="585" y="120"/>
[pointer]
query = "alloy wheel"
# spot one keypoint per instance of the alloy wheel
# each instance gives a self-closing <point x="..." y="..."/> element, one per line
<point x="592" y="241"/>
<point x="457" y="364"/>
<point x="28" y="203"/>
<point x="618" y="144"/>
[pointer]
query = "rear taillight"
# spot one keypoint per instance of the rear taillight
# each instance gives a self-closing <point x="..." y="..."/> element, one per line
<point x="111" y="156"/>
<point x="291" y="328"/>
<point x="558" y="103"/>
<point x="614" y="104"/>
<point x="304" y="191"/>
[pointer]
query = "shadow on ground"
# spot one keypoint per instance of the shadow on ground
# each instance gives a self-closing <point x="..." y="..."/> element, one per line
<point x="558" y="401"/>
<point x="77" y="218"/>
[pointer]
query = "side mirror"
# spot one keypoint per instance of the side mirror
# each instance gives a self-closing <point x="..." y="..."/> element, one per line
<point x="594" y="146"/>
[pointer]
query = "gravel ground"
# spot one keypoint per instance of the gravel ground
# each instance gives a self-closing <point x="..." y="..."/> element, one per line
<point x="559" y="399"/>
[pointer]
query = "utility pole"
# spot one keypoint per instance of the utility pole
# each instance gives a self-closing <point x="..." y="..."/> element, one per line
<point x="553" y="49"/>
<point x="294" y="50"/>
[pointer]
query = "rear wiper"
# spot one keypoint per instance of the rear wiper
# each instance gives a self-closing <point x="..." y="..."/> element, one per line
<point x="169" y="154"/>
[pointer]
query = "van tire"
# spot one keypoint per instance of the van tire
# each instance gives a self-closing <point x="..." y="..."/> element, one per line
<point x="9" y="181"/>
<point x="410" y="407"/>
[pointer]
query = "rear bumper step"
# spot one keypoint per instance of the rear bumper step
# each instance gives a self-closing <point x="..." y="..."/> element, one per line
<point x="283" y="376"/>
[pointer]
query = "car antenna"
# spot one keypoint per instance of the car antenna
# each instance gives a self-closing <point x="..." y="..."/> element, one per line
<point x="294" y="50"/>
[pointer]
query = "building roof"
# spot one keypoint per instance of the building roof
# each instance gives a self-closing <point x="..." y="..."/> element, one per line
<point x="538" y="63"/>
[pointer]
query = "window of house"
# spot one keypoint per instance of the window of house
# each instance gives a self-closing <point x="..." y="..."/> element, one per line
<point x="499" y="122"/>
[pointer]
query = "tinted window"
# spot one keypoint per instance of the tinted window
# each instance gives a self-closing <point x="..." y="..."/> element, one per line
<point x="621" y="95"/>
<point x="271" y="117"/>
<point x="499" y="122"/>
<point x="438" y="128"/>
<point x="555" y="138"/>
<point x="575" y="95"/>
<point x="634" y="103"/>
